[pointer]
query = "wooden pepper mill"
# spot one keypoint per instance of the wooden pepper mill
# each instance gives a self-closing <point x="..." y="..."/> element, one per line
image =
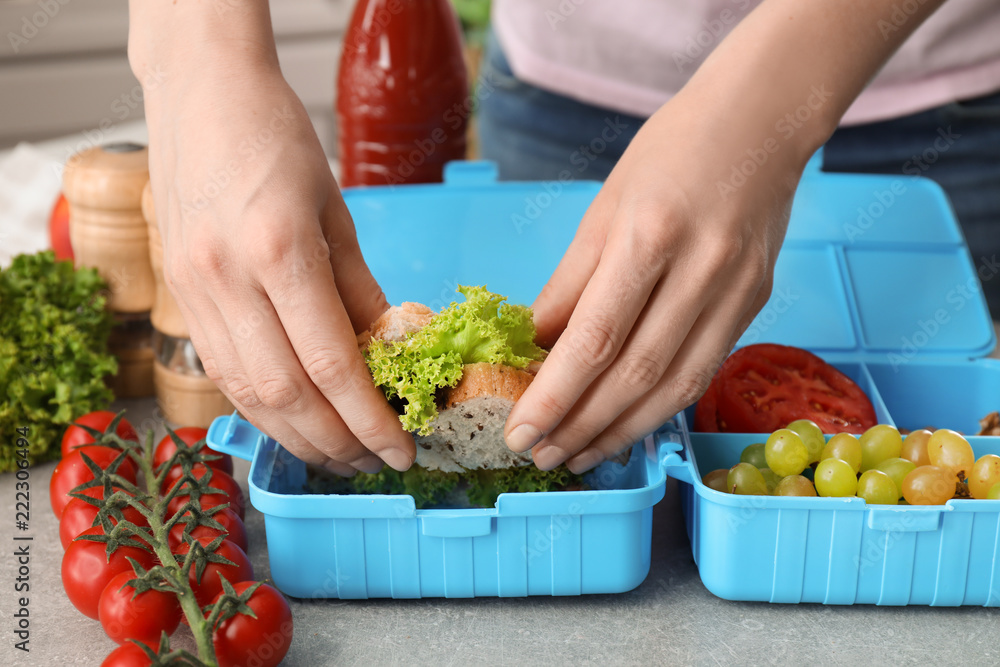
<point x="103" y="186"/>
<point x="185" y="394"/>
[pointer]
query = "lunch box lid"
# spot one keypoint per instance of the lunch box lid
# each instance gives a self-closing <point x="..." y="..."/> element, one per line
<point x="873" y="267"/>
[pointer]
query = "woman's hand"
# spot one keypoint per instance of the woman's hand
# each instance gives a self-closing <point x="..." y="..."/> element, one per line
<point x="670" y="264"/>
<point x="261" y="255"/>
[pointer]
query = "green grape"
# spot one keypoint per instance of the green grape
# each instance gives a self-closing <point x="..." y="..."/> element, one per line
<point x="929" y="485"/>
<point x="994" y="492"/>
<point x="754" y="455"/>
<point x="949" y="450"/>
<point x="985" y="474"/>
<point x="915" y="447"/>
<point x="897" y="469"/>
<point x="845" y="447"/>
<point x="835" y="478"/>
<point x="812" y="437"/>
<point x="785" y="452"/>
<point x="771" y="478"/>
<point x="716" y="480"/>
<point x="745" y="480"/>
<point x="795" y="485"/>
<point x="877" y="488"/>
<point x="879" y="443"/>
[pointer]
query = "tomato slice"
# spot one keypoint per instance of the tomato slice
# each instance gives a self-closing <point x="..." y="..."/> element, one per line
<point x="706" y="412"/>
<point x="764" y="387"/>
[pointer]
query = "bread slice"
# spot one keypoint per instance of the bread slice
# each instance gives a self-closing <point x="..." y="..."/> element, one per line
<point x="468" y="432"/>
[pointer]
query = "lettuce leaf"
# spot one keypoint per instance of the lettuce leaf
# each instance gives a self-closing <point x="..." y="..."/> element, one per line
<point x="480" y="329"/>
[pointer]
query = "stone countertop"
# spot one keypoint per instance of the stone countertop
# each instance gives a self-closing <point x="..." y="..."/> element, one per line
<point x="670" y="619"/>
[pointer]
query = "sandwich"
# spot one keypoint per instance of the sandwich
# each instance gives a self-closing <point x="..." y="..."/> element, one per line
<point x="454" y="377"/>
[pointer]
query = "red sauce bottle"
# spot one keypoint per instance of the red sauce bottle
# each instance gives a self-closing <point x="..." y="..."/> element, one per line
<point x="402" y="93"/>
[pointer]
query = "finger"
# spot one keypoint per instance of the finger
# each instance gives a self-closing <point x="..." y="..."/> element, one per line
<point x="687" y="377"/>
<point x="361" y="294"/>
<point x="608" y="308"/>
<point x="263" y="418"/>
<point x="275" y="381"/>
<point x="555" y="303"/>
<point x="321" y="336"/>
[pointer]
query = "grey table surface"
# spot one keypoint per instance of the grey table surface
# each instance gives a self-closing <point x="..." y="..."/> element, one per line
<point x="670" y="619"/>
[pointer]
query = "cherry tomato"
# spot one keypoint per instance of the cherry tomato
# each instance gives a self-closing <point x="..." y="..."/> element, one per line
<point x="264" y="641"/>
<point x="142" y="617"/>
<point x="129" y="655"/>
<point x="233" y="494"/>
<point x="210" y="586"/>
<point x="764" y="387"/>
<point x="72" y="471"/>
<point x="79" y="515"/>
<point x="75" y="437"/>
<point x="190" y="435"/>
<point x="59" y="229"/>
<point x="234" y="530"/>
<point x="86" y="569"/>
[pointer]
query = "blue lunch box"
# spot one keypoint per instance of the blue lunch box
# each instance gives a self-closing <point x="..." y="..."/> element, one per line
<point x="422" y="241"/>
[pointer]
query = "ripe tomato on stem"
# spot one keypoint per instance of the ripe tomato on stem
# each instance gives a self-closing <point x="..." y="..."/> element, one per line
<point x="210" y="585"/>
<point x="72" y="471"/>
<point x="125" y="615"/>
<point x="264" y="641"/>
<point x="76" y="437"/>
<point x="233" y="494"/>
<point x="190" y="435"/>
<point x="129" y="655"/>
<point x="79" y="515"/>
<point x="233" y="530"/>
<point x="86" y="569"/>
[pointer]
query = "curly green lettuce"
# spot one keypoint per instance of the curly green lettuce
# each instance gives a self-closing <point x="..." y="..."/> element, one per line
<point x="54" y="331"/>
<point x="480" y="329"/>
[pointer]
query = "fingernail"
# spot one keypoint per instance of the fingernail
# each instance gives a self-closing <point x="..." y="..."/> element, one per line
<point x="547" y="457"/>
<point x="397" y="459"/>
<point x="523" y="438"/>
<point x="370" y="464"/>
<point x="585" y="460"/>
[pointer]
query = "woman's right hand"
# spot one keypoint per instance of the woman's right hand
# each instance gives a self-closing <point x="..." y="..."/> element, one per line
<point x="261" y="254"/>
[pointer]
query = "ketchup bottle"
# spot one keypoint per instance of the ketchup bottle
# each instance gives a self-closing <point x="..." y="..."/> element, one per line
<point x="402" y="93"/>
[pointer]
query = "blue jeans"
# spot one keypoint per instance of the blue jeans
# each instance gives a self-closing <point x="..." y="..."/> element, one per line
<point x="533" y="134"/>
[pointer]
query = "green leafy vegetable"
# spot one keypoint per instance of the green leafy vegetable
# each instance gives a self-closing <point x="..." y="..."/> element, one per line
<point x="54" y="331"/>
<point x="480" y="329"/>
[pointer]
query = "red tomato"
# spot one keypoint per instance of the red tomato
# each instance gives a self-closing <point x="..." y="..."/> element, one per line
<point x="79" y="515"/>
<point x="706" y="418"/>
<point x="210" y="586"/>
<point x="190" y="435"/>
<point x="72" y="471"/>
<point x="234" y="531"/>
<point x="142" y="617"/>
<point x="128" y="655"/>
<point x="764" y="387"/>
<point x="59" y="229"/>
<point x="264" y="641"/>
<point x="75" y="437"/>
<point x="86" y="569"/>
<point x="233" y="494"/>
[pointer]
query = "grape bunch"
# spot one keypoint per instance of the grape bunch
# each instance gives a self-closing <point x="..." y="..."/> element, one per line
<point x="880" y="466"/>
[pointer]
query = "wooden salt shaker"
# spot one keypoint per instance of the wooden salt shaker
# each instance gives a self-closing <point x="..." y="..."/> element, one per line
<point x="185" y="394"/>
<point x="103" y="186"/>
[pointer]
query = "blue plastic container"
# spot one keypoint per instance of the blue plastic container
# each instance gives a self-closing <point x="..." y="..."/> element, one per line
<point x="868" y="267"/>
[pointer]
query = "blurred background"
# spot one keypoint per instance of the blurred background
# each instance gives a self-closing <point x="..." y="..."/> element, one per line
<point x="63" y="65"/>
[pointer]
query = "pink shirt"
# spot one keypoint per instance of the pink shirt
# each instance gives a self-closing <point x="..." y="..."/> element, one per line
<point x="632" y="56"/>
